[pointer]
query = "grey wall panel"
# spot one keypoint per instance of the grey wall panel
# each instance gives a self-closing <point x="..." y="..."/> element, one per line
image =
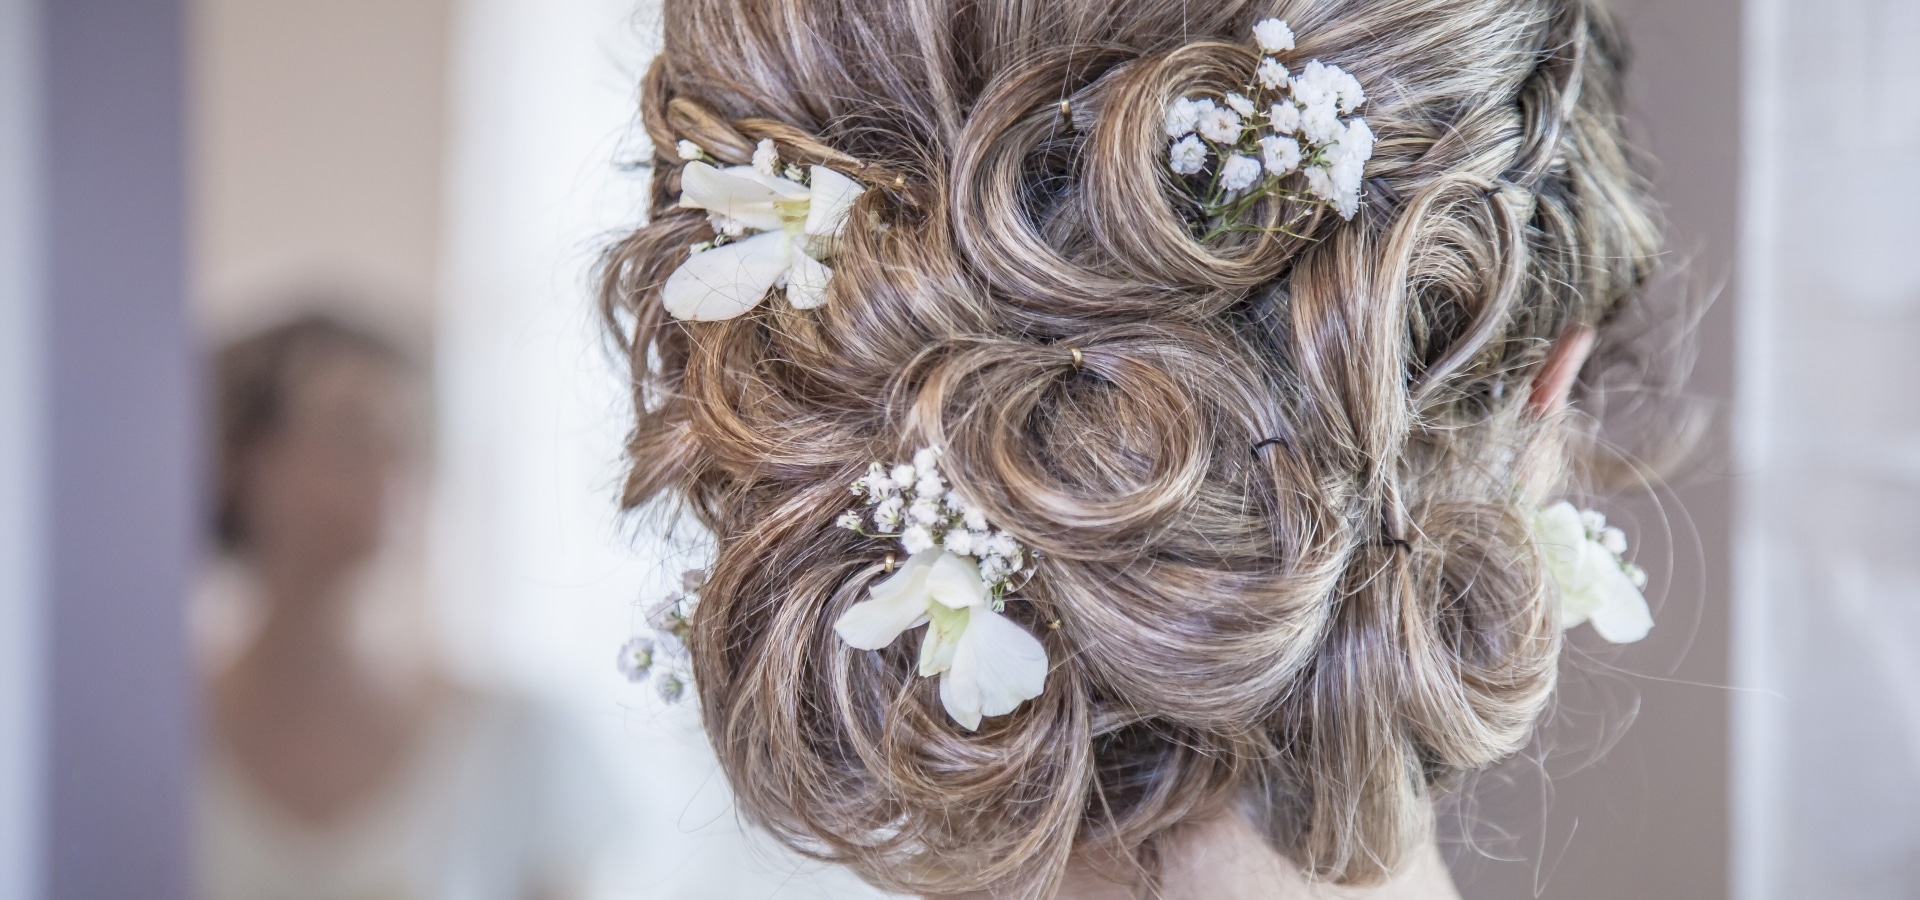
<point x="121" y="441"/>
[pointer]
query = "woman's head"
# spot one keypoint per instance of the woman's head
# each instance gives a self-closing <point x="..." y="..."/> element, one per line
<point x="1279" y="494"/>
<point x="314" y="418"/>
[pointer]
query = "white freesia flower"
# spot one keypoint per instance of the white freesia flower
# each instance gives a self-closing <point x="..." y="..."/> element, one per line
<point x="1281" y="155"/>
<point x="988" y="664"/>
<point x="786" y="226"/>
<point x="1596" y="586"/>
<point x="1188" y="156"/>
<point x="1273" y="35"/>
<point x="1239" y="172"/>
<point x="1221" y="126"/>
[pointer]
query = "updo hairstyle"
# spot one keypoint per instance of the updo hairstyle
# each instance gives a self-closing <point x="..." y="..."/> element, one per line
<point x="1279" y="500"/>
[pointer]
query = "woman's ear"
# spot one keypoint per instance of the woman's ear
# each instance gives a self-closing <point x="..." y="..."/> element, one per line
<point x="1554" y="381"/>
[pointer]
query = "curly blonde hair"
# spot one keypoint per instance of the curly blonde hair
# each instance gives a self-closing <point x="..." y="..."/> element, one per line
<point x="1279" y="494"/>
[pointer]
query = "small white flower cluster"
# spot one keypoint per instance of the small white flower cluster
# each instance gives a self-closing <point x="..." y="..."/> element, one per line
<point x="660" y="654"/>
<point x="1285" y="123"/>
<point x="1614" y="541"/>
<point x="914" y="504"/>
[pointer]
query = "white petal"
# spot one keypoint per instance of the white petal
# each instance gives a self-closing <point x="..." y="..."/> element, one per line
<point x="726" y="281"/>
<point x="897" y="604"/>
<point x="996" y="667"/>
<point x="1559" y="530"/>
<point x="1623" y="616"/>
<point x="807" y="282"/>
<point x="955" y="581"/>
<point x="944" y="628"/>
<point x="832" y="198"/>
<point x="737" y="192"/>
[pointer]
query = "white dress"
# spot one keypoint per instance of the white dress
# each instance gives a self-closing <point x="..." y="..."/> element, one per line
<point x="494" y="801"/>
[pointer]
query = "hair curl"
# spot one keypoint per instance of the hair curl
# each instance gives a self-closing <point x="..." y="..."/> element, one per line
<point x="1318" y="634"/>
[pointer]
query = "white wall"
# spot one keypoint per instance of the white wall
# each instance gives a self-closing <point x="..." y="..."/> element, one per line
<point x="1828" y="626"/>
<point x="542" y="582"/>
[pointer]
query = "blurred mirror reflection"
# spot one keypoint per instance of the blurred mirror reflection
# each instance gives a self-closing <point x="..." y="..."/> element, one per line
<point x="416" y="582"/>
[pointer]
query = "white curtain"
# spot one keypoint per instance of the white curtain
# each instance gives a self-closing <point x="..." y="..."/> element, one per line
<point x="541" y="582"/>
<point x="1827" y="722"/>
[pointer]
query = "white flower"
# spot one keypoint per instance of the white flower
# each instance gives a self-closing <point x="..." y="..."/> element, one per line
<point x="954" y="502"/>
<point x="1239" y="103"/>
<point x="1596" y="586"/>
<point x="670" y="686"/>
<point x="1356" y="143"/>
<point x="1273" y="35"/>
<point x="1221" y="126"/>
<point x="766" y="159"/>
<point x="1281" y="155"/>
<point x="904" y="475"/>
<point x="689" y="150"/>
<point x="849" y="520"/>
<point x="916" y="539"/>
<point x="988" y="664"/>
<point x="887" y="514"/>
<point x="1339" y="179"/>
<point x="1320" y="183"/>
<point x="960" y="541"/>
<point x="1315" y="85"/>
<point x="1271" y="74"/>
<point x="1188" y="155"/>
<point x="1284" y="117"/>
<point x="1347" y="89"/>
<point x="926" y="461"/>
<point x="636" y="657"/>
<point x="1320" y="124"/>
<point x="974" y="519"/>
<point x="1239" y="172"/>
<point x="925" y="511"/>
<point x="1182" y="115"/>
<point x="792" y="225"/>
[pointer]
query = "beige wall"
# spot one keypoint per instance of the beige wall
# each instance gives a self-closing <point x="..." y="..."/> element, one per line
<point x="1650" y="818"/>
<point x="318" y="144"/>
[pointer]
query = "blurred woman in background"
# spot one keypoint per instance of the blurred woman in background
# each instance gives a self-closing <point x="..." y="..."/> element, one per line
<point x="341" y="763"/>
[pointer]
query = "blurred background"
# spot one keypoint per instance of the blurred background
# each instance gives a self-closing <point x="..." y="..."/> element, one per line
<point x="310" y="579"/>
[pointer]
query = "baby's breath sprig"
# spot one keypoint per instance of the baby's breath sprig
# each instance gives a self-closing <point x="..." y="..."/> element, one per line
<point x="912" y="503"/>
<point x="1245" y="145"/>
<point x="660" y="653"/>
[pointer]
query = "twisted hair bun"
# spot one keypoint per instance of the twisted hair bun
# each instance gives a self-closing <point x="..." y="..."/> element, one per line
<point x="1316" y="634"/>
